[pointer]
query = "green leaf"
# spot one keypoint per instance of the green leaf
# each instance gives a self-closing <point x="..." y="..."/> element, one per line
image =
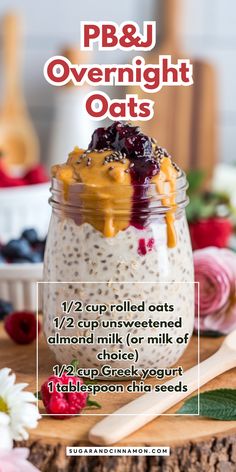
<point x="38" y="395"/>
<point x="75" y="365"/>
<point x="217" y="404"/>
<point x="90" y="382"/>
<point x="193" y="208"/>
<point x="92" y="404"/>
<point x="195" y="180"/>
<point x="208" y="210"/>
<point x="205" y="206"/>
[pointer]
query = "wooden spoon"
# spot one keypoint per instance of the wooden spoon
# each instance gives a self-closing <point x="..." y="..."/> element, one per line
<point x="19" y="147"/>
<point x="139" y="412"/>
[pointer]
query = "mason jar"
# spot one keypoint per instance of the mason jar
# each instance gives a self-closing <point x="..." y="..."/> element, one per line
<point x="148" y="260"/>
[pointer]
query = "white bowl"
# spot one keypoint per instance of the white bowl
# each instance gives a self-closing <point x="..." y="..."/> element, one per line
<point x="18" y="284"/>
<point x="22" y="208"/>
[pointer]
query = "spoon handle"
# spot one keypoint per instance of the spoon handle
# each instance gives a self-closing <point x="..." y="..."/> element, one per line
<point x="138" y="412"/>
<point x="12" y="61"/>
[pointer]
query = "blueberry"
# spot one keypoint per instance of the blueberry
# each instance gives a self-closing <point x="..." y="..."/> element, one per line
<point x="17" y="249"/>
<point x="22" y="260"/>
<point x="36" y="257"/>
<point x="5" y="308"/>
<point x="40" y="247"/>
<point x="2" y="260"/>
<point x="30" y="235"/>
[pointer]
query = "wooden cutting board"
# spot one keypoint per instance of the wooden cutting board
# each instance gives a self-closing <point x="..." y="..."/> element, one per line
<point x="177" y="432"/>
<point x="185" y="118"/>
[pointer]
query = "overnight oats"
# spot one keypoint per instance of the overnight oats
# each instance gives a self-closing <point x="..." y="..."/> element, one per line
<point x="118" y="227"/>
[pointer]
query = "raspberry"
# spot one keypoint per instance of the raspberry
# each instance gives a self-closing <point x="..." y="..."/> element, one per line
<point x="211" y="232"/>
<point x="7" y="180"/>
<point x="22" y="326"/>
<point x="63" y="403"/>
<point x="37" y="175"/>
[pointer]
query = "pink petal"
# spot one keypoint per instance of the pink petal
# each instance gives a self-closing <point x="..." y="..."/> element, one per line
<point x="224" y="321"/>
<point x="215" y="281"/>
<point x="229" y="258"/>
<point x="16" y="461"/>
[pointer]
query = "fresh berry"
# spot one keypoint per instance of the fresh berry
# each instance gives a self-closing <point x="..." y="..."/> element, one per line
<point x="34" y="176"/>
<point x="60" y="403"/>
<point x="9" y="181"/>
<point x="36" y="257"/>
<point x="17" y="249"/>
<point x="22" y="326"/>
<point x="2" y="260"/>
<point x="39" y="247"/>
<point x="20" y="261"/>
<point x="30" y="235"/>
<point x="28" y="248"/>
<point x="210" y="232"/>
<point x="5" y="308"/>
<point x="37" y="175"/>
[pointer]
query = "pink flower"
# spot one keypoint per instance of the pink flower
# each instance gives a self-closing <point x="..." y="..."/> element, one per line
<point x="16" y="461"/>
<point x="215" y="270"/>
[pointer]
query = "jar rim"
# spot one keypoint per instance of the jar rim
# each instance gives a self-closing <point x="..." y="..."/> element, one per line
<point x="73" y="198"/>
<point x="75" y="188"/>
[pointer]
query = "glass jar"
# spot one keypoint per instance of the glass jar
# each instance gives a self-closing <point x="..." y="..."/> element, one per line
<point x="137" y="264"/>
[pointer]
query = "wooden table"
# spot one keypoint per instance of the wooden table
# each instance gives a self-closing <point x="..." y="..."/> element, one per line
<point x="197" y="444"/>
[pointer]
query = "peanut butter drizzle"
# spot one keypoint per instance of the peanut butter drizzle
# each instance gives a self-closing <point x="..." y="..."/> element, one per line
<point x="104" y="194"/>
<point x="166" y="184"/>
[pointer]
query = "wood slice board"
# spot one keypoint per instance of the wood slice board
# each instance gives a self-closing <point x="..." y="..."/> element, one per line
<point x="165" y="430"/>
